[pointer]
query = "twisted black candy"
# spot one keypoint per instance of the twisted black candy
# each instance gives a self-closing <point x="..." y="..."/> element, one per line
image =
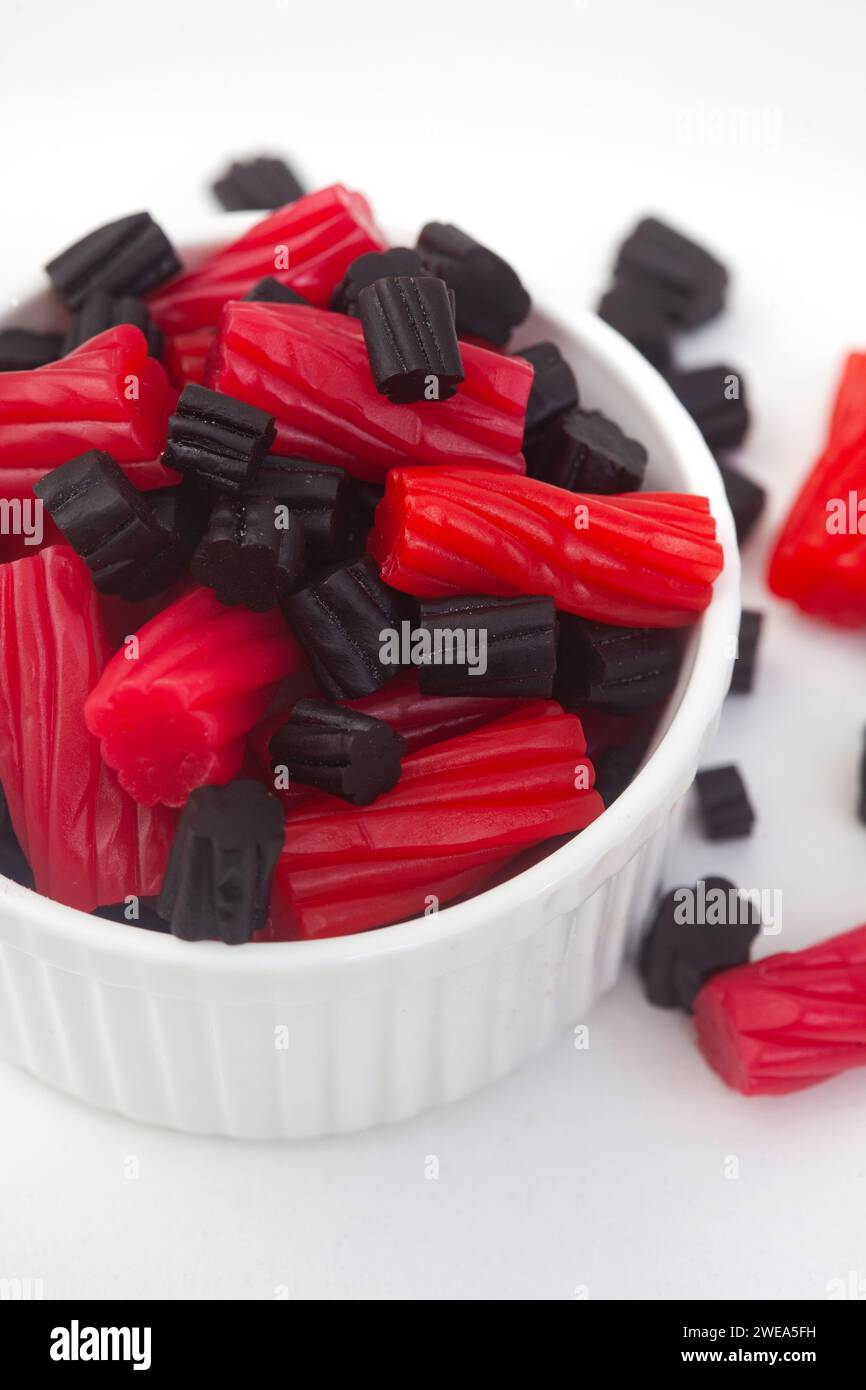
<point x="638" y="318"/>
<point x="218" y="439"/>
<point x="590" y="453"/>
<point x="338" y="750"/>
<point x="726" y="811"/>
<point x="270" y="291"/>
<point x="554" y="388"/>
<point x="257" y="185"/>
<point x="22" y="350"/>
<point x="746" y="498"/>
<point x="678" y="956"/>
<point x="365" y="270"/>
<point x="490" y="300"/>
<point x="722" y="418"/>
<point x="250" y="553"/>
<point x="101" y="311"/>
<point x="621" y="669"/>
<point x="340" y="622"/>
<point x="127" y="257"/>
<point x="511" y="643"/>
<point x="682" y="278"/>
<point x="411" y="340"/>
<point x="317" y="493"/>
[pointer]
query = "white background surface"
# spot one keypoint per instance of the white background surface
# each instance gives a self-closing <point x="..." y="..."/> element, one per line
<point x="545" y="129"/>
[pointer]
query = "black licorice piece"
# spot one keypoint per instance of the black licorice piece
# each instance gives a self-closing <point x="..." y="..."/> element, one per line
<point x="554" y="388"/>
<point x="218" y="439"/>
<point x="490" y="300"/>
<point x="697" y="931"/>
<point x="22" y="350"/>
<point x="341" y="751"/>
<point x="592" y="454"/>
<point x="222" y="860"/>
<point x="13" y="863"/>
<point x="411" y="339"/>
<point x="175" y="511"/>
<point x="251" y="553"/>
<point x="743" y="677"/>
<point x="488" y="646"/>
<point x="617" y="766"/>
<point x="270" y="291"/>
<point x="686" y="283"/>
<point x="142" y="913"/>
<point x="367" y="269"/>
<point x="721" y="417"/>
<point x="317" y="493"/>
<point x="339" y="622"/>
<point x="641" y="321"/>
<point x="257" y="185"/>
<point x="621" y="669"/>
<point x="101" y="311"/>
<point x="745" y="498"/>
<point x="128" y="257"/>
<point x="726" y="811"/>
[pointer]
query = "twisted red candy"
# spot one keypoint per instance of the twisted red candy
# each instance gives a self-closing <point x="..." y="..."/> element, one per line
<point x="787" y="1021"/>
<point x="86" y="840"/>
<point x="307" y="245"/>
<point x="641" y="559"/>
<point x="185" y="355"/>
<point x="107" y="395"/>
<point x="172" y="711"/>
<point x="310" y="370"/>
<point x="461" y="809"/>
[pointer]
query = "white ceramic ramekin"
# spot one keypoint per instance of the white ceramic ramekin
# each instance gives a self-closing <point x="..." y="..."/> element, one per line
<point x="321" y="1037"/>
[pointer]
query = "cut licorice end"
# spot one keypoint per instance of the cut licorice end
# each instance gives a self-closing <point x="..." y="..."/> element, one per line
<point x="488" y="646"/>
<point x="317" y="493"/>
<point x="339" y="622"/>
<point x="101" y="311"/>
<point x="746" y="499"/>
<point x="684" y="280"/>
<point x="587" y="452"/>
<point x="222" y="860"/>
<point x="743" y="677"/>
<point x="490" y="300"/>
<point x="128" y="257"/>
<point x="621" y="669"/>
<point x="366" y="269"/>
<point x="218" y="439"/>
<point x="697" y="931"/>
<point x="341" y="751"/>
<point x="638" y="319"/>
<point x="411" y="338"/>
<point x="23" y="350"/>
<point x="270" y="291"/>
<point x="554" y="388"/>
<point x="257" y="185"/>
<point x="725" y="808"/>
<point x="251" y="553"/>
<point x="716" y="400"/>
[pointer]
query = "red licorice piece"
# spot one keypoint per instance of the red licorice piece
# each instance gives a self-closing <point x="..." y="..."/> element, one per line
<point x="461" y="809"/>
<point x="108" y="394"/>
<point x="426" y="719"/>
<point x="789" y="1020"/>
<point x="86" y="840"/>
<point x="820" y="556"/>
<point x="638" y="559"/>
<point x="310" y="370"/>
<point x="307" y="245"/>
<point x="172" y="711"/>
<point x="185" y="355"/>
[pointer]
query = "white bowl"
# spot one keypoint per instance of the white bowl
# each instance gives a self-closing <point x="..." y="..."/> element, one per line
<point x="380" y="1025"/>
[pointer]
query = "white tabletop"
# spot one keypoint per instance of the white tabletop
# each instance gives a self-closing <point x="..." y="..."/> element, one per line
<point x="544" y="129"/>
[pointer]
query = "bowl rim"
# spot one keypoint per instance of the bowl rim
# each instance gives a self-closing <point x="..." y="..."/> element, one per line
<point x="666" y="772"/>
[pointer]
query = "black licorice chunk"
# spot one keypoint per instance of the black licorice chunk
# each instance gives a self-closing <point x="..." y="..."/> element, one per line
<point x="617" y="766"/>
<point x="101" y="311"/>
<point x="251" y="553"/>
<point x="222" y="860"/>
<point x="490" y="300"/>
<point x="218" y="439"/>
<point x="22" y="350"/>
<point x="592" y="454"/>
<point x="746" y="499"/>
<point x="640" y="320"/>
<point x="726" y="811"/>
<point x="411" y="338"/>
<point x="270" y="291"/>
<point x="715" y="398"/>
<point x="318" y="493"/>
<point x="339" y="622"/>
<point x="13" y="863"/>
<point x="176" y="511"/>
<point x="367" y="269"/>
<point x="139" y="913"/>
<point x="620" y="669"/>
<point x="686" y="283"/>
<point x="554" y="388"/>
<point x="696" y="932"/>
<point x="488" y="646"/>
<point x="257" y="185"/>
<point x="338" y="750"/>
<point x="128" y="257"/>
<point x="743" y="677"/>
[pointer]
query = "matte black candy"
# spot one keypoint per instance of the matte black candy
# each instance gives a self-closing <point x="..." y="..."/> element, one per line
<point x="101" y="311"/>
<point x="250" y="554"/>
<point x="218" y="439"/>
<point x="743" y="677"/>
<point x="341" y="751"/>
<point x="257" y="185"/>
<point x="339" y="621"/>
<point x="127" y="257"/>
<point x="222" y="860"/>
<point x="270" y="291"/>
<point x="411" y="338"/>
<point x="144" y="915"/>
<point x="725" y="808"/>
<point x="490" y="300"/>
<point x="621" y="669"/>
<point x="489" y="646"/>
<point x="721" y="417"/>
<point x="617" y="766"/>
<point x="176" y="512"/>
<point x="372" y="266"/>
<point x="12" y="861"/>
<point x="591" y="454"/>
<point x="554" y="388"/>
<point x="745" y="498"/>
<point x="22" y="350"/>
<point x="639" y="319"/>
<point x="317" y="493"/>
<point x="678" y="956"/>
<point x="681" y="277"/>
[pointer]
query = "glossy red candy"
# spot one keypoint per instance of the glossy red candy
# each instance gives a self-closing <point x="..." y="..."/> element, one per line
<point x="310" y="370"/>
<point x="789" y="1020"/>
<point x="108" y="394"/>
<point x="185" y="355"/>
<point x="638" y="559"/>
<point x="172" y="711"/>
<point x="461" y="809"/>
<point x="307" y="245"/>
<point x="426" y="719"/>
<point x="86" y="840"/>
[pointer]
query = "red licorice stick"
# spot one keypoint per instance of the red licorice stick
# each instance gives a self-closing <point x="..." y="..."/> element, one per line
<point x="86" y="840"/>
<point x="185" y="355"/>
<point x="642" y="559"/>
